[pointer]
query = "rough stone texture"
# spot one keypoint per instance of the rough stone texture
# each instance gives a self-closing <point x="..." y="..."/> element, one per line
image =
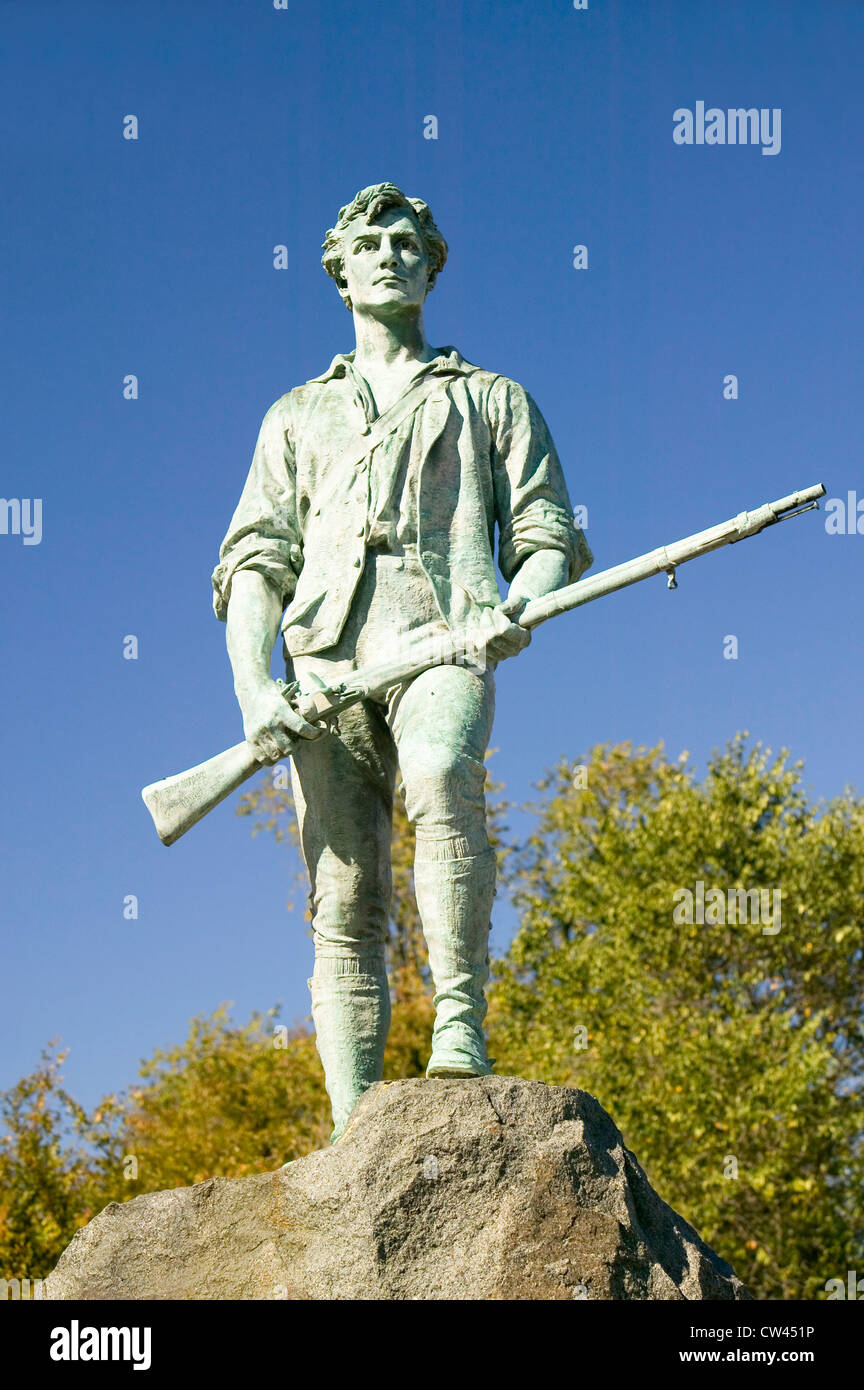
<point x="490" y="1188"/>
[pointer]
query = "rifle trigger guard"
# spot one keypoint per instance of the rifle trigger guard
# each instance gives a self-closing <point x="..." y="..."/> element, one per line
<point x="671" y="581"/>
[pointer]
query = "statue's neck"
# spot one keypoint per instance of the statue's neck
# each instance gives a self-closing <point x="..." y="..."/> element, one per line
<point x="390" y="343"/>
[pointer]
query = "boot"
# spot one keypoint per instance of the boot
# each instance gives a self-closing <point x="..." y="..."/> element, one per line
<point x="351" y="1013"/>
<point x="454" y="897"/>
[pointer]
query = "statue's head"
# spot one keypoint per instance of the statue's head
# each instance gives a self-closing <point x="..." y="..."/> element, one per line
<point x="385" y="251"/>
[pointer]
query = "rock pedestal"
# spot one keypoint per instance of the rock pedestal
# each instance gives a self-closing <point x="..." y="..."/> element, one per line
<point x="489" y="1188"/>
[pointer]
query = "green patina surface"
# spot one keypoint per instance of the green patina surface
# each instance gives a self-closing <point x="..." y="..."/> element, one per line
<point x="380" y="495"/>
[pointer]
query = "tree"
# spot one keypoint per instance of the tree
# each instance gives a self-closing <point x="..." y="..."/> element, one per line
<point x="48" y="1182"/>
<point x="229" y="1100"/>
<point x="729" y="1054"/>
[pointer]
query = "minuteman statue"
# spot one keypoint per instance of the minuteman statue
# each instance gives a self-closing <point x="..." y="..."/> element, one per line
<point x="368" y="520"/>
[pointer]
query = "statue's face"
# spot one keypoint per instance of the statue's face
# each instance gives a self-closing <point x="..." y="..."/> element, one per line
<point x="386" y="265"/>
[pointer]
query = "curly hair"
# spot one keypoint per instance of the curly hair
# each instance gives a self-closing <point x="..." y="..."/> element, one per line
<point x="370" y="203"/>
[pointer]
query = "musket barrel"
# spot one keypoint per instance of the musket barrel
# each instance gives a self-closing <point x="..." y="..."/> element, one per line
<point x="798" y="499"/>
<point x="665" y="559"/>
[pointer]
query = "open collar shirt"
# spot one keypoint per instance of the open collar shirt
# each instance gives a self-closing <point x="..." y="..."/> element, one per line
<point x="462" y="455"/>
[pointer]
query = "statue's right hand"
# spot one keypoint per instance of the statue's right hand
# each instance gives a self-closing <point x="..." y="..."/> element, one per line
<point x="272" y="726"/>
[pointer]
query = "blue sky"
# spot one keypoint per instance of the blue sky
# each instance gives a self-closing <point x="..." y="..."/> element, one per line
<point x="155" y="257"/>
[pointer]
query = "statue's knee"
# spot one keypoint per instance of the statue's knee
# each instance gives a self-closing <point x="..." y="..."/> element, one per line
<point x="435" y="764"/>
<point x="351" y="908"/>
<point x="445" y="788"/>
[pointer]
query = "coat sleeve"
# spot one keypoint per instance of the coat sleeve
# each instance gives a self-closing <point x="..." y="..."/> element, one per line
<point x="532" y="505"/>
<point x="264" y="534"/>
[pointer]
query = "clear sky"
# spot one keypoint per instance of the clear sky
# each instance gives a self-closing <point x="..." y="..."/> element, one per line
<point x="155" y="257"/>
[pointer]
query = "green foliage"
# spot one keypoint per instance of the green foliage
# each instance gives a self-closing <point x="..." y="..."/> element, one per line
<point x="711" y="1046"/>
<point x="229" y="1100"/>
<point x="54" y="1159"/>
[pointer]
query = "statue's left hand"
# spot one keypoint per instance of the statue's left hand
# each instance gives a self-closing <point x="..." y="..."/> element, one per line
<point x="539" y="574"/>
<point x="509" y="637"/>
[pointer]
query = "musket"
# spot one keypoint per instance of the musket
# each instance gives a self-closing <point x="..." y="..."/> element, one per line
<point x="177" y="803"/>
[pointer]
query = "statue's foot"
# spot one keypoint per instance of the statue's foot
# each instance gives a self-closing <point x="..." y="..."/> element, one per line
<point x="459" y="1050"/>
<point x="458" y="1064"/>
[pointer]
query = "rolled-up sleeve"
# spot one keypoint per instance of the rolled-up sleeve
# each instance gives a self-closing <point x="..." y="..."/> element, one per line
<point x="532" y="504"/>
<point x="263" y="534"/>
